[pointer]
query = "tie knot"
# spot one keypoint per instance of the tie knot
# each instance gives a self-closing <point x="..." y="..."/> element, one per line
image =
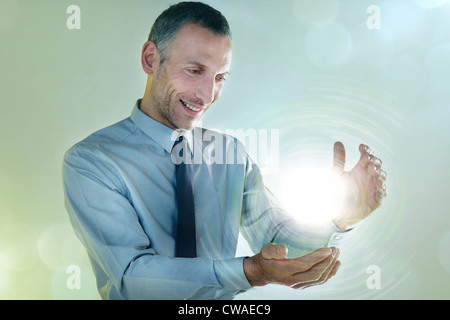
<point x="179" y="140"/>
<point x="180" y="151"/>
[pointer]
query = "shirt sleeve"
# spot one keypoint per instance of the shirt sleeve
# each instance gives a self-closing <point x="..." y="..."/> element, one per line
<point x="264" y="220"/>
<point x="126" y="265"/>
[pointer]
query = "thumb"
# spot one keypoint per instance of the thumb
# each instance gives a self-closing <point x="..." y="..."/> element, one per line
<point x="274" y="251"/>
<point x="339" y="157"/>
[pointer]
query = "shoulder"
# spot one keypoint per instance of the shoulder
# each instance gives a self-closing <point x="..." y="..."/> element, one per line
<point x="95" y="156"/>
<point x="100" y="145"/>
<point x="115" y="133"/>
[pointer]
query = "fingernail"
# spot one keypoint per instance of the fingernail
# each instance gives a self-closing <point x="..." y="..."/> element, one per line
<point x="382" y="192"/>
<point x="282" y="251"/>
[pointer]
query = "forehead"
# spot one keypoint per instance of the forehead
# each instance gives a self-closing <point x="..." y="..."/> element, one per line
<point x="195" y="43"/>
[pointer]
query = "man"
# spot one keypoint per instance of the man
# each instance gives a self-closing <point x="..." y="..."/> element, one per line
<point x="124" y="197"/>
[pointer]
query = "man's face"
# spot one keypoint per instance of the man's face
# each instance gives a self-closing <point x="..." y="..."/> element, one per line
<point x="192" y="77"/>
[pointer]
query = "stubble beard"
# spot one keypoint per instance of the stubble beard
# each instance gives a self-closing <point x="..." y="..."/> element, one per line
<point x="166" y="102"/>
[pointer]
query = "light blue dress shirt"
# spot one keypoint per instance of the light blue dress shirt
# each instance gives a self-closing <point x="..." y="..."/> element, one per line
<point x="120" y="195"/>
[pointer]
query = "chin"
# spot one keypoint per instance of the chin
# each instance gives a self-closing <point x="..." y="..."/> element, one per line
<point x="189" y="125"/>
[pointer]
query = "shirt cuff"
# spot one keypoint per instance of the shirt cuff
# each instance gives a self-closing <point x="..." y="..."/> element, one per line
<point x="230" y="274"/>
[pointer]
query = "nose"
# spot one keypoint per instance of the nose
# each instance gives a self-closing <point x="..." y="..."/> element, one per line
<point x="206" y="90"/>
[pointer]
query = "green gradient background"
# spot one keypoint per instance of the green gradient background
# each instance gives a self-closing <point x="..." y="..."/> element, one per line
<point x="311" y="69"/>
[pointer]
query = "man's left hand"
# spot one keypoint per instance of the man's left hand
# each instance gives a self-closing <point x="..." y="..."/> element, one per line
<point x="365" y="185"/>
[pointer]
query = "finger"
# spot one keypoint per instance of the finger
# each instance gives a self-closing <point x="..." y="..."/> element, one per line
<point x="327" y="266"/>
<point x="332" y="273"/>
<point x="335" y="269"/>
<point x="327" y="273"/>
<point x="274" y="251"/>
<point x="382" y="173"/>
<point x="380" y="195"/>
<point x="378" y="183"/>
<point x="366" y="156"/>
<point x="376" y="161"/>
<point x="320" y="273"/>
<point x="308" y="261"/>
<point x="364" y="149"/>
<point x="316" y="271"/>
<point x="289" y="268"/>
<point x="306" y="285"/>
<point x="339" y="157"/>
<point x="377" y="172"/>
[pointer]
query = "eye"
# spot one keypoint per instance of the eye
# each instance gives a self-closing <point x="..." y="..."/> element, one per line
<point x="221" y="78"/>
<point x="194" y="71"/>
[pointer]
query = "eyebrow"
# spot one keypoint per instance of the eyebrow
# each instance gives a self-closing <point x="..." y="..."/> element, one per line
<point x="201" y="65"/>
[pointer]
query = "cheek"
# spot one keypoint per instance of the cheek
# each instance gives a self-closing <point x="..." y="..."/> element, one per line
<point x="169" y="90"/>
<point x="186" y="86"/>
<point x="179" y="80"/>
<point x="218" y="92"/>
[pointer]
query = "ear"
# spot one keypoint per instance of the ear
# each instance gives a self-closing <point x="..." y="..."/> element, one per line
<point x="150" y="57"/>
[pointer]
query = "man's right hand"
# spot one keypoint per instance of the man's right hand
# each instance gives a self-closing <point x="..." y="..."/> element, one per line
<point x="271" y="266"/>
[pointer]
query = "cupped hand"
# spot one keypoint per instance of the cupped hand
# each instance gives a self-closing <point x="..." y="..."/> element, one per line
<point x="271" y="266"/>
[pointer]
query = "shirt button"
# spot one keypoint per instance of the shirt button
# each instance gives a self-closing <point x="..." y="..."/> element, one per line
<point x="337" y="237"/>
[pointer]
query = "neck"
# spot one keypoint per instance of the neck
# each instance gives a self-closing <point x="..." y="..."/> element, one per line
<point x="146" y="103"/>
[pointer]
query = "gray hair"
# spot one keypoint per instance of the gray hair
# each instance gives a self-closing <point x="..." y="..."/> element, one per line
<point x="170" y="21"/>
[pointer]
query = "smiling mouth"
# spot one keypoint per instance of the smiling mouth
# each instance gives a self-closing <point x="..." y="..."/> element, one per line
<point x="190" y="107"/>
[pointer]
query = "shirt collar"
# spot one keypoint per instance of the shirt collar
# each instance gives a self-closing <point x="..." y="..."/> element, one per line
<point x="160" y="133"/>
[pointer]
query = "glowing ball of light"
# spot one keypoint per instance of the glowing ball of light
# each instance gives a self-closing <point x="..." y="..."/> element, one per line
<point x="312" y="195"/>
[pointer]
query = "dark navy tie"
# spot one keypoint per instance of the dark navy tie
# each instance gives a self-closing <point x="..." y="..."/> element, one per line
<point x="186" y="246"/>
